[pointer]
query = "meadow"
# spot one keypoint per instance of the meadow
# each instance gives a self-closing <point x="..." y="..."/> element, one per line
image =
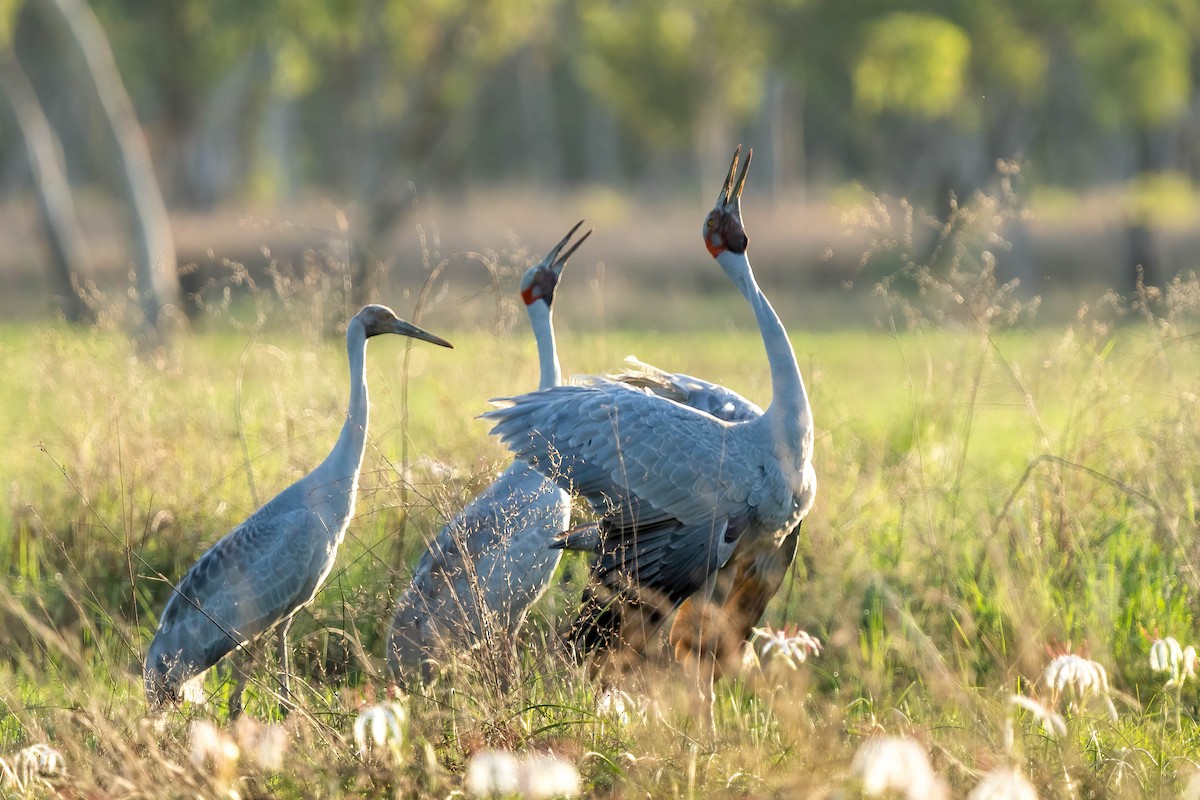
<point x="993" y="494"/>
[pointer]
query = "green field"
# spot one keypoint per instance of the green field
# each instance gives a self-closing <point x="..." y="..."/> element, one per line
<point x="986" y="501"/>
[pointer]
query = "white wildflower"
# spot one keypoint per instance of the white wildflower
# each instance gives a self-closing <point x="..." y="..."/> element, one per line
<point x="212" y="749"/>
<point x="1166" y="655"/>
<point x="886" y="764"/>
<point x="543" y="776"/>
<point x="1052" y="722"/>
<point x="492" y="773"/>
<point x="791" y="648"/>
<point x="381" y="725"/>
<point x="1003" y="784"/>
<point x="210" y="745"/>
<point x="42" y="759"/>
<point x="34" y="763"/>
<point x="617" y="705"/>
<point x="265" y="744"/>
<point x="1078" y="679"/>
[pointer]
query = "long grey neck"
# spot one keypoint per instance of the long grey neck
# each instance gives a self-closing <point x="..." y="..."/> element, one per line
<point x="789" y="400"/>
<point x="543" y="333"/>
<point x="346" y="457"/>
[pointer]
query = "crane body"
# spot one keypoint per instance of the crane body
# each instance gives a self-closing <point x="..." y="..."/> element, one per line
<point x="474" y="584"/>
<point x="681" y="493"/>
<point x="264" y="570"/>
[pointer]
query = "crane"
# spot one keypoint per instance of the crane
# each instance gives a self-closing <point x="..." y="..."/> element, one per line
<point x="716" y="626"/>
<point x="682" y="495"/>
<point x="264" y="570"/>
<point x="478" y="578"/>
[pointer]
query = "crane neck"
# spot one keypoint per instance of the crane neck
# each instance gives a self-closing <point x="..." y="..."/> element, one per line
<point x="789" y="399"/>
<point x="346" y="457"/>
<point x="542" y="322"/>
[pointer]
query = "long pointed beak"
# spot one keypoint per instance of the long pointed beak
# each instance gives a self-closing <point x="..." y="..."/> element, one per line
<point x="556" y="262"/>
<point x="561" y="261"/>
<point x="408" y="329"/>
<point x="731" y="191"/>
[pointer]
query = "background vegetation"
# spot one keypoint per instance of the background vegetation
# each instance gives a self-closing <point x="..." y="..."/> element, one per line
<point x="1007" y="467"/>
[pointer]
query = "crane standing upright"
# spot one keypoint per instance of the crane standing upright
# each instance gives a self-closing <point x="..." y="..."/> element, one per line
<point x="682" y="494"/>
<point x="476" y="581"/>
<point x="264" y="570"/>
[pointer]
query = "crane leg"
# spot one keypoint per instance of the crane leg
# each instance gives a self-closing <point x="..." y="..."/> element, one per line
<point x="285" y="676"/>
<point x="242" y="661"/>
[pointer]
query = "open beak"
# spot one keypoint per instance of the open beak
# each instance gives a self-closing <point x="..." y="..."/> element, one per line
<point x="731" y="192"/>
<point x="408" y="329"/>
<point x="557" y="262"/>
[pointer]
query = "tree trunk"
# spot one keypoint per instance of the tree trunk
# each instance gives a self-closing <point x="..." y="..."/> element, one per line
<point x="69" y="257"/>
<point x="157" y="277"/>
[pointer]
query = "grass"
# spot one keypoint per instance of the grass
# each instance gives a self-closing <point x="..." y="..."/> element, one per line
<point x="987" y="501"/>
<point x="984" y="500"/>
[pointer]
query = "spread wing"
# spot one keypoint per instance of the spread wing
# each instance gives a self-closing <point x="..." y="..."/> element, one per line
<point x="672" y="484"/>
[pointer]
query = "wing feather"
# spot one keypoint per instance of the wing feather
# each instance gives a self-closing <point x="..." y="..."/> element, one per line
<point x="712" y="398"/>
<point x="613" y="445"/>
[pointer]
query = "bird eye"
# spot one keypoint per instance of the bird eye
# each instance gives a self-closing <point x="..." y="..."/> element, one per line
<point x="711" y="222"/>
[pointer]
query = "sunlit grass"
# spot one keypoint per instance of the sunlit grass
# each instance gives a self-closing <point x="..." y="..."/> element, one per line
<point x="985" y="502"/>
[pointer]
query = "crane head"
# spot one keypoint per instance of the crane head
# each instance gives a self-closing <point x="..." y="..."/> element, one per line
<point x="539" y="281"/>
<point x="377" y="319"/>
<point x="723" y="229"/>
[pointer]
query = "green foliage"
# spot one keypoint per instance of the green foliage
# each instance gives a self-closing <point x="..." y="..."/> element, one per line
<point x="1163" y="199"/>
<point x="1139" y="56"/>
<point x="8" y="19"/>
<point x="912" y="64"/>
<point x="663" y="65"/>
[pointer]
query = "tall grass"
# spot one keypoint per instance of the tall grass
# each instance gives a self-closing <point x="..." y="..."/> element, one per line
<point x="991" y="494"/>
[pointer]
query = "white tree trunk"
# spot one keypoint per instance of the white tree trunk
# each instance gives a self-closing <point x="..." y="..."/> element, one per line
<point x="157" y="277"/>
<point x="69" y="257"/>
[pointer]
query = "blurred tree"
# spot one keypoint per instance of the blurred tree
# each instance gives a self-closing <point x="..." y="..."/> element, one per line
<point x="1138" y="55"/>
<point x="157" y="279"/>
<point x="198" y="69"/>
<point x="675" y="72"/>
<point x="912" y="64"/>
<point x="69" y="259"/>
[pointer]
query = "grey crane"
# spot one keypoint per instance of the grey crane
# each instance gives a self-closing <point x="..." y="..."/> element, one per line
<point x="682" y="495"/>
<point x="715" y="626"/>
<point x="264" y="570"/>
<point x="479" y="576"/>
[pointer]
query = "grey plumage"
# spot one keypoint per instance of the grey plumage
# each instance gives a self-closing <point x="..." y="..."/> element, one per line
<point x="264" y="570"/>
<point x="475" y="583"/>
<point x="680" y="491"/>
